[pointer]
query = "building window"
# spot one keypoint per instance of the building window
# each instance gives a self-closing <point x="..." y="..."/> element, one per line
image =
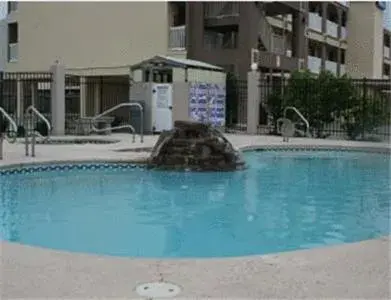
<point x="344" y="20"/>
<point x="386" y="40"/>
<point x="221" y="38"/>
<point x="386" y="69"/>
<point x="12" y="6"/>
<point x="343" y="55"/>
<point x="13" y="42"/>
<point x="332" y="13"/>
<point x="177" y="13"/>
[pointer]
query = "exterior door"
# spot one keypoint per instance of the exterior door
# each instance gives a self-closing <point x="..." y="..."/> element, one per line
<point x="162" y="103"/>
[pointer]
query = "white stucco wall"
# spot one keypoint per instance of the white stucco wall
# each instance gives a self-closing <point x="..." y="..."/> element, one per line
<point x="89" y="34"/>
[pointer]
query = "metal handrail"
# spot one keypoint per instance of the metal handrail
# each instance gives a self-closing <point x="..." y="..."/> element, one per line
<point x="2" y="135"/>
<point x="110" y="110"/>
<point x="307" y="124"/>
<point x="30" y="110"/>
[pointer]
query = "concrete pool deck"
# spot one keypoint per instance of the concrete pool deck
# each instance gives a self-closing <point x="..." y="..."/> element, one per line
<point x="357" y="270"/>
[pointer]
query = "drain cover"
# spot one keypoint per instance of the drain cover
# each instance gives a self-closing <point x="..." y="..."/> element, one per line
<point x="158" y="290"/>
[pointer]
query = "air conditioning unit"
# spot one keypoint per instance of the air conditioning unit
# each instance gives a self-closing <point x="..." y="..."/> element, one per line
<point x="306" y="32"/>
<point x="254" y="59"/>
<point x="254" y="56"/>
<point x="301" y="65"/>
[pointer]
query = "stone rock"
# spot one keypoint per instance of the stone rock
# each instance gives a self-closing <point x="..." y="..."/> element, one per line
<point x="194" y="146"/>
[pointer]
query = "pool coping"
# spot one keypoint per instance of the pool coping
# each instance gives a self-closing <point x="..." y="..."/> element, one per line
<point x="245" y="148"/>
<point x="349" y="270"/>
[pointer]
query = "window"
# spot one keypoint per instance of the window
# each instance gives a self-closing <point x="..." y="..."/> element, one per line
<point x="386" y="70"/>
<point x="343" y="54"/>
<point x="386" y="40"/>
<point x="12" y="42"/>
<point x="12" y="6"/>
<point x="222" y="38"/>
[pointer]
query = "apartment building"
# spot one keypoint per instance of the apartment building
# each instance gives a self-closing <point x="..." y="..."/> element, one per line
<point x="107" y="37"/>
<point x="3" y="44"/>
<point x="103" y="36"/>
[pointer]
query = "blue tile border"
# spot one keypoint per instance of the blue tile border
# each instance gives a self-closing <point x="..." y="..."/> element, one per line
<point x="296" y="148"/>
<point x="62" y="166"/>
<point x="67" y="167"/>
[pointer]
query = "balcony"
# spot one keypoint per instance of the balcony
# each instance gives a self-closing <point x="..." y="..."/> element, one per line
<point x="344" y="3"/>
<point x="344" y="33"/>
<point x="13" y="52"/>
<point x="218" y="40"/>
<point x="314" y="64"/>
<point x="332" y="29"/>
<point x="331" y="66"/>
<point x="177" y="38"/>
<point x="342" y="70"/>
<point x="315" y="22"/>
<point x="386" y="52"/>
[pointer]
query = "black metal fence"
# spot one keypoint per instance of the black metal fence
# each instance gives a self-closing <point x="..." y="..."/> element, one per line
<point x="338" y="108"/>
<point x="20" y="90"/>
<point x="98" y="93"/>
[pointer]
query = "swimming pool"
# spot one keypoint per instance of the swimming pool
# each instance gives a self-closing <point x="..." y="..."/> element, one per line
<point x="285" y="200"/>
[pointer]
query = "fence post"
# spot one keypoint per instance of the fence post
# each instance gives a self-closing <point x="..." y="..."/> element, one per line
<point x="252" y="102"/>
<point x="58" y="99"/>
<point x="1" y="89"/>
<point x="364" y="108"/>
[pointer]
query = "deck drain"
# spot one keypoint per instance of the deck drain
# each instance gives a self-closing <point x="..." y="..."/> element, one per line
<point x="158" y="290"/>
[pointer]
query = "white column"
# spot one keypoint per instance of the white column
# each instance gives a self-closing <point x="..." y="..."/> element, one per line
<point x="97" y="98"/>
<point x="253" y="102"/>
<point x="58" y="99"/>
<point x="19" y="101"/>
<point x="83" y="96"/>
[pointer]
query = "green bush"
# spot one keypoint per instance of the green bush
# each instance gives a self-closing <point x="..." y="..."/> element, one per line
<point x="325" y="99"/>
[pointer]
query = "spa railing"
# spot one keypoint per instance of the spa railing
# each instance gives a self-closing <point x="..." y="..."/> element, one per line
<point x="110" y="128"/>
<point x="30" y="111"/>
<point x="3" y="135"/>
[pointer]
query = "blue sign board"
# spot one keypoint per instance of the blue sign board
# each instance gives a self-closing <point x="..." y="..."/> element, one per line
<point x="207" y="103"/>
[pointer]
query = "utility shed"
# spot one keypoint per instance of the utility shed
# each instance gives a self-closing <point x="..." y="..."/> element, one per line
<point x="172" y="89"/>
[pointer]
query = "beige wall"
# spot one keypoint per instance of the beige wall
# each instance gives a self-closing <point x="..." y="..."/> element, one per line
<point x="89" y="34"/>
<point x="365" y="40"/>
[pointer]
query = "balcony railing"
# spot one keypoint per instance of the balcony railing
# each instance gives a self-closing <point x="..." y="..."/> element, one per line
<point x="314" y="64"/>
<point x="386" y="52"/>
<point x="331" y="66"/>
<point x="315" y="21"/>
<point x="344" y="3"/>
<point x="12" y="6"/>
<point x="344" y="33"/>
<point x="177" y="38"/>
<point x="221" y="9"/>
<point x="332" y="29"/>
<point x="13" y="52"/>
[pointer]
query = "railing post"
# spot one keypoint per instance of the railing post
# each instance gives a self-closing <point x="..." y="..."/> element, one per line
<point x="2" y="89"/>
<point x="26" y="137"/>
<point x="19" y="99"/>
<point x="58" y="99"/>
<point x="1" y="144"/>
<point x="364" y="107"/>
<point x="253" y="102"/>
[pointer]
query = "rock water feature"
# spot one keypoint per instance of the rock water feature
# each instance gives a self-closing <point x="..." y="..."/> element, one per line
<point x="194" y="146"/>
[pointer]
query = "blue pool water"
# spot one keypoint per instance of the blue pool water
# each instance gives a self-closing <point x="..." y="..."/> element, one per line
<point x="285" y="200"/>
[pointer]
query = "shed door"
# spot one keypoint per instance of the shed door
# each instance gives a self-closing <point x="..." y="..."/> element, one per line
<point x="162" y="105"/>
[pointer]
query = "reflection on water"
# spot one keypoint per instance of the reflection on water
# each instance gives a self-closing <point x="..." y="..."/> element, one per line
<point x="283" y="201"/>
